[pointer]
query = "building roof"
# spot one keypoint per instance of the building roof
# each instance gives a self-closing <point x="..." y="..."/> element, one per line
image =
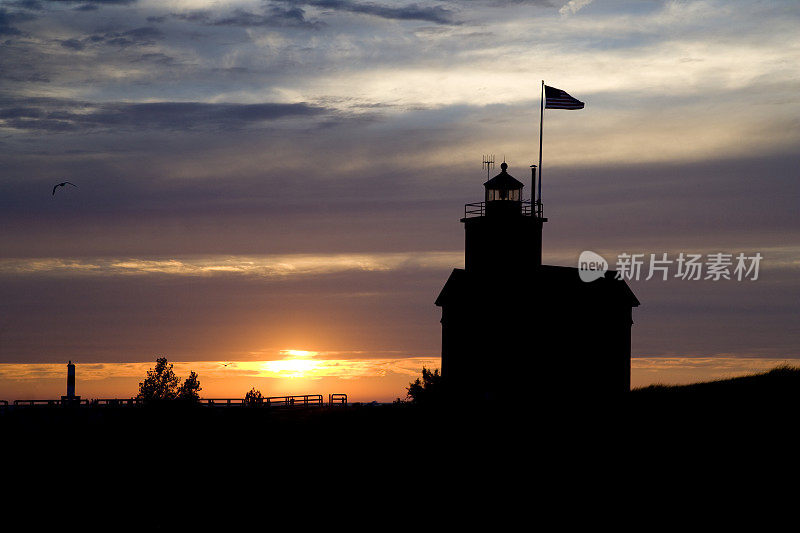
<point x="453" y="287"/>
<point x="504" y="180"/>
<point x="559" y="282"/>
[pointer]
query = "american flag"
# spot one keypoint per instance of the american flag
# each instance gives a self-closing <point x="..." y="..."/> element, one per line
<point x="558" y="99"/>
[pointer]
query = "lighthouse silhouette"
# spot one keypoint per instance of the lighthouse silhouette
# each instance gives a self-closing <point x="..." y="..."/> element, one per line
<point x="514" y="329"/>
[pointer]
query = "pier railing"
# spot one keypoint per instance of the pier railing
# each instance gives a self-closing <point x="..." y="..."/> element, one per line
<point x="116" y="402"/>
<point x="528" y="208"/>
<point x="337" y="399"/>
<point x="301" y="400"/>
<point x="304" y="400"/>
<point x="33" y="403"/>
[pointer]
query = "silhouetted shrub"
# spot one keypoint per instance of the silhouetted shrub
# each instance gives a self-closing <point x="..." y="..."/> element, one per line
<point x="253" y="398"/>
<point x="428" y="390"/>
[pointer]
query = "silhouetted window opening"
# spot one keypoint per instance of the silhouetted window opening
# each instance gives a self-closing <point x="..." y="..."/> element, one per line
<point x="502" y="194"/>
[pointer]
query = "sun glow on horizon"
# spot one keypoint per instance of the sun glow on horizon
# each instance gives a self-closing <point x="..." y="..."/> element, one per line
<point x="299" y="353"/>
<point x="296" y="364"/>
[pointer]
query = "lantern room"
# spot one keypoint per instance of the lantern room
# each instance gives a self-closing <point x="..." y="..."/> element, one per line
<point x="503" y="192"/>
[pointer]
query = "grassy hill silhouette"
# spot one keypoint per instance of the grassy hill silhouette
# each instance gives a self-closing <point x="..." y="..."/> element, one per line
<point x="781" y="380"/>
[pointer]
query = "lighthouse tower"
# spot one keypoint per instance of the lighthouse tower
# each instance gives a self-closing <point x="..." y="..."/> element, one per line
<point x="503" y="233"/>
<point x="513" y="328"/>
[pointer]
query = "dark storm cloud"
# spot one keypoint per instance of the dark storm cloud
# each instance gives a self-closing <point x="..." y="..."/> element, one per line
<point x="8" y="19"/>
<point x="96" y="2"/>
<point x="143" y="36"/>
<point x="274" y="16"/>
<point x="64" y="115"/>
<point x="510" y="3"/>
<point x="21" y="112"/>
<point x="156" y="57"/>
<point x="383" y="205"/>
<point x="200" y="17"/>
<point x="73" y="44"/>
<point x="37" y="77"/>
<point x="33" y="5"/>
<point x="137" y="36"/>
<point x="435" y="14"/>
<point x="84" y="5"/>
<point x="295" y="16"/>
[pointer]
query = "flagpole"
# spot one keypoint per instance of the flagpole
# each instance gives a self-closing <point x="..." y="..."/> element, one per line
<point x="541" y="126"/>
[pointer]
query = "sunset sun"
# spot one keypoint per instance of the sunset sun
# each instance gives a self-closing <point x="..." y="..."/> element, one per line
<point x="295" y="364"/>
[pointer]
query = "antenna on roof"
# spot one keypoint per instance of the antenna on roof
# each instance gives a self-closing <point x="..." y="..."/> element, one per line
<point x="488" y="162"/>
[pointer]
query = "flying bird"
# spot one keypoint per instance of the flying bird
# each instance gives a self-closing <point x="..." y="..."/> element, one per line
<point x="62" y="185"/>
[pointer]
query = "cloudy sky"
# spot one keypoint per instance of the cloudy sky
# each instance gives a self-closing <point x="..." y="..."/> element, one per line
<point x="278" y="183"/>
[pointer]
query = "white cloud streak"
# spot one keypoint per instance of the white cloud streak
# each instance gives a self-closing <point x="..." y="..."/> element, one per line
<point x="573" y="6"/>
<point x="277" y="267"/>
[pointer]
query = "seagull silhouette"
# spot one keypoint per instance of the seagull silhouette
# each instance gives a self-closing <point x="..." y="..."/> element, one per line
<point x="61" y="185"/>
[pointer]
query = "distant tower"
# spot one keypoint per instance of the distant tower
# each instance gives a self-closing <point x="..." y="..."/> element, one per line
<point x="513" y="328"/>
<point x="70" y="398"/>
<point x="70" y="380"/>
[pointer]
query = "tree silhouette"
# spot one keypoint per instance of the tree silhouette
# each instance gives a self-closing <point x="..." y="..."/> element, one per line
<point x="161" y="384"/>
<point x="428" y="390"/>
<point x="189" y="389"/>
<point x="253" y="398"/>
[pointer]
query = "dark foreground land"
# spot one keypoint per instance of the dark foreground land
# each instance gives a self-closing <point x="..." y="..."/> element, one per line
<point x="471" y="465"/>
<point x="757" y="405"/>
